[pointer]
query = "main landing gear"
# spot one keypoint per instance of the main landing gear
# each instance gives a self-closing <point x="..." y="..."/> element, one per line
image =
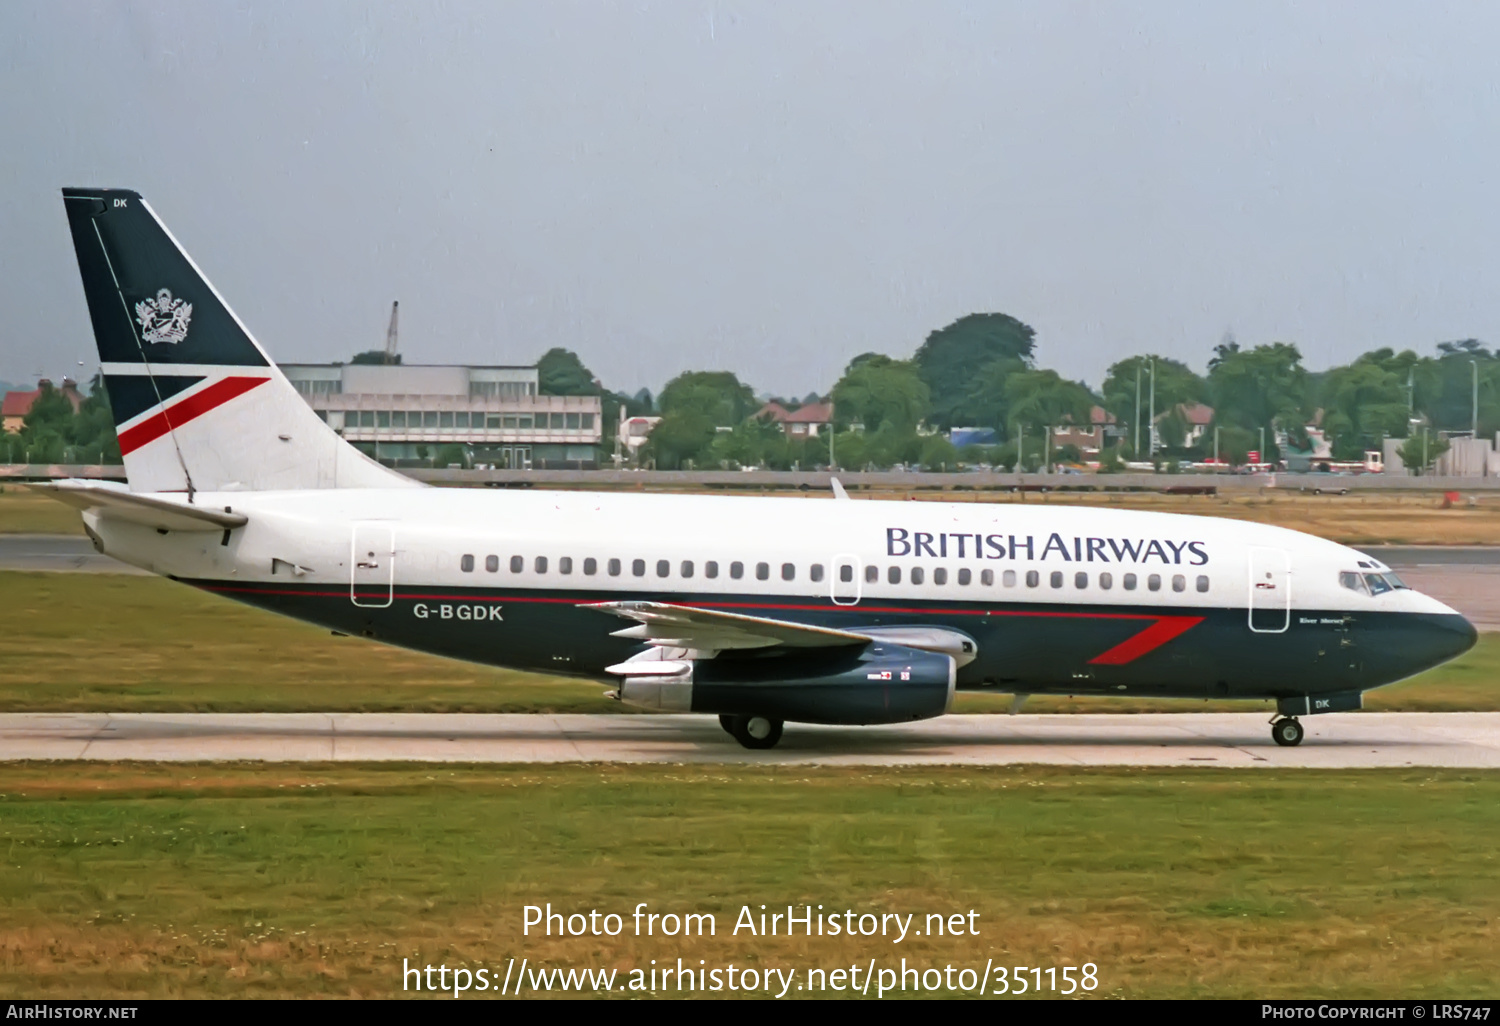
<point x="1286" y="731"/>
<point x="754" y="732"/>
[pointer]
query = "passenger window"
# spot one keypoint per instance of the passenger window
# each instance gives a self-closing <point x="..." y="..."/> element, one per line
<point x="492" y="563"/>
<point x="565" y="564"/>
<point x="1377" y="584"/>
<point x="762" y="571"/>
<point x="1179" y="582"/>
<point x="1154" y="582"/>
<point x="893" y="575"/>
<point x="1033" y="579"/>
<point x="846" y="573"/>
<point x="710" y="569"/>
<point x="614" y="567"/>
<point x="1106" y="580"/>
<point x="466" y="564"/>
<point x="1080" y="580"/>
<point x="590" y="566"/>
<point x="965" y="576"/>
<point x="541" y="564"/>
<point x="736" y="570"/>
<point x="1057" y="578"/>
<point x="517" y="564"/>
<point x="788" y="571"/>
<point x="815" y="571"/>
<point x="987" y="577"/>
<point x="1009" y="577"/>
<point x="1202" y="583"/>
<point x="917" y="576"/>
<point x="687" y="568"/>
<point x="663" y="567"/>
<point x="638" y="567"/>
<point x="1130" y="582"/>
<point x="872" y="573"/>
<point x="940" y="576"/>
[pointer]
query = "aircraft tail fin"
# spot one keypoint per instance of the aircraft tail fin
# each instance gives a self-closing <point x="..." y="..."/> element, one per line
<point x="198" y="404"/>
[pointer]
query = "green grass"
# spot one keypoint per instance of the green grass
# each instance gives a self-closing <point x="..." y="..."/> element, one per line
<point x="89" y="642"/>
<point x="233" y="880"/>
<point x="23" y="511"/>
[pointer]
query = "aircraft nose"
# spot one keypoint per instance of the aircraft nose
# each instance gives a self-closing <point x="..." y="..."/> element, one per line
<point x="1415" y="642"/>
<point x="1444" y="636"/>
<point x="1466" y="635"/>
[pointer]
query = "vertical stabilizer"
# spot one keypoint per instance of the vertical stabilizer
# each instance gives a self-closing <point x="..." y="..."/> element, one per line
<point x="198" y="405"/>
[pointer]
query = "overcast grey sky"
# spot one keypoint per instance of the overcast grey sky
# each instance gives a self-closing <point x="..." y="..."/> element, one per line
<point x="769" y="188"/>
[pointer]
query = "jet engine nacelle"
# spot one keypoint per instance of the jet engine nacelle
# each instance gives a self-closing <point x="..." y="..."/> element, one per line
<point x="879" y="683"/>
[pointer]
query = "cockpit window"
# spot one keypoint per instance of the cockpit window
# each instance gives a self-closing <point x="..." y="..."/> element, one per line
<point x="1352" y="581"/>
<point x="1394" y="581"/>
<point x="1377" y="583"/>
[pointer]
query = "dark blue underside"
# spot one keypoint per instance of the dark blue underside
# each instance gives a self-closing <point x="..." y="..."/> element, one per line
<point x="1032" y="647"/>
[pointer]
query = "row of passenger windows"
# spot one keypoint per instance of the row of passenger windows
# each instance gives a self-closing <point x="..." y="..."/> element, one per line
<point x="441" y="419"/>
<point x="788" y="572"/>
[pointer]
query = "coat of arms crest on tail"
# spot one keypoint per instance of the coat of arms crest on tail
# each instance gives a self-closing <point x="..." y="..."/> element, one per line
<point x="164" y="319"/>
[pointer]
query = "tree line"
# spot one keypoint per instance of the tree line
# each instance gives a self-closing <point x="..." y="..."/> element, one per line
<point x="981" y="371"/>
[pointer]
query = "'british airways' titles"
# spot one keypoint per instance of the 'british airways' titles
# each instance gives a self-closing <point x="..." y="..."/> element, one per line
<point x="900" y="541"/>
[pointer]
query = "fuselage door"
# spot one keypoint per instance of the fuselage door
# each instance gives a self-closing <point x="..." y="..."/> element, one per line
<point x="372" y="564"/>
<point x="844" y="582"/>
<point x="1270" y="591"/>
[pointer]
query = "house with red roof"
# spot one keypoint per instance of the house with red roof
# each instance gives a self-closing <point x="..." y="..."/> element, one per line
<point x="16" y="405"/>
<point x="806" y="421"/>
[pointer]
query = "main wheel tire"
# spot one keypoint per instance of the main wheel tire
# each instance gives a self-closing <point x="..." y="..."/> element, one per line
<point x="756" y="732"/>
<point x="1287" y="732"/>
<point x="727" y="722"/>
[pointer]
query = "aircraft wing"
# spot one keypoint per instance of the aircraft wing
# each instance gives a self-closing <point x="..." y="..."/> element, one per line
<point x="150" y="510"/>
<point x="674" y="626"/>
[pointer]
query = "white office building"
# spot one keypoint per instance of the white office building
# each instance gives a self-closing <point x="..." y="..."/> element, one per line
<point x="415" y="415"/>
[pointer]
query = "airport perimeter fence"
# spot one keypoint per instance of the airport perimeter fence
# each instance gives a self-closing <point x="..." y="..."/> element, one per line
<point x="807" y="481"/>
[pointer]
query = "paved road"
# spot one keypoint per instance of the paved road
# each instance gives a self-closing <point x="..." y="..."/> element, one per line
<point x="1406" y="556"/>
<point x="56" y="552"/>
<point x="1183" y="739"/>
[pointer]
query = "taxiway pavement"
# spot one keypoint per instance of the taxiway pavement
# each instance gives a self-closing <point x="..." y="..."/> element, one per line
<point x="1357" y="740"/>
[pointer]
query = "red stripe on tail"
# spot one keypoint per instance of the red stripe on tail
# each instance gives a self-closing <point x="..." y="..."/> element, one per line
<point x="195" y="405"/>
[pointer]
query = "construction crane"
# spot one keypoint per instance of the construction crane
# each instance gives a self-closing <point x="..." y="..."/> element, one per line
<point x="390" y="337"/>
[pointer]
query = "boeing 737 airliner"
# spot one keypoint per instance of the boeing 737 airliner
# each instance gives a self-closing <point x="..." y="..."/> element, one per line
<point x="759" y="610"/>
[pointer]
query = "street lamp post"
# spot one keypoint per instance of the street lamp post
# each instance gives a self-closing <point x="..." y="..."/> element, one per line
<point x="1136" y="448"/>
<point x="1151" y="427"/>
<point x="1474" y="409"/>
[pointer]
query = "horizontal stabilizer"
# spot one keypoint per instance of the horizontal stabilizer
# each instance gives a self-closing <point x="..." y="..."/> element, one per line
<point x="149" y="510"/>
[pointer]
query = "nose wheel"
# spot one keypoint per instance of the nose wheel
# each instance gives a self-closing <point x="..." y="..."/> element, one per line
<point x="753" y="732"/>
<point x="1286" y="731"/>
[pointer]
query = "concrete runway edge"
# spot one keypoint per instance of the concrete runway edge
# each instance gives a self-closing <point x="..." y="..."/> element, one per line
<point x="1358" y="740"/>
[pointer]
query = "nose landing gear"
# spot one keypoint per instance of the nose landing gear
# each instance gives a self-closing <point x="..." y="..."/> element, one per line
<point x="1286" y="731"/>
<point x="753" y="732"/>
